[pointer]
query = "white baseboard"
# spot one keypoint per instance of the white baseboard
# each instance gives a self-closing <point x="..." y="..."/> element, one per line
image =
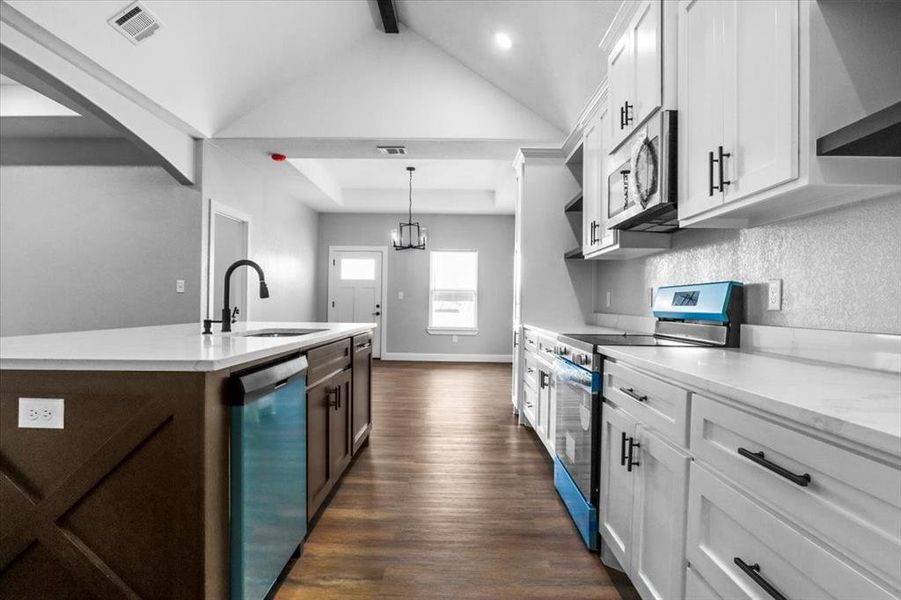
<point x="420" y="357"/>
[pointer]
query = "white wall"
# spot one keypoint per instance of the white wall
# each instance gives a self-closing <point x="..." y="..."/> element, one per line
<point x="283" y="235"/>
<point x="840" y="269"/>
<point x="96" y="247"/>
<point x="408" y="271"/>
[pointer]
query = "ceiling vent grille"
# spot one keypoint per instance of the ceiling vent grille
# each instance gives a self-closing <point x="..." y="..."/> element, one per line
<point x="393" y="150"/>
<point x="135" y="22"/>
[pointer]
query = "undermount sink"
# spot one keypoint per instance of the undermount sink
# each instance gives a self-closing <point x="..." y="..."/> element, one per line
<point x="275" y="333"/>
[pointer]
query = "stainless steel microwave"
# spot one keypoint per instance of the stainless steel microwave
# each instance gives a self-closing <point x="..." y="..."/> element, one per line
<point x="642" y="182"/>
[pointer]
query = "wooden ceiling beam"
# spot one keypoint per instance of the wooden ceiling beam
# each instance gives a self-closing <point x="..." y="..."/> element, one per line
<point x="389" y="16"/>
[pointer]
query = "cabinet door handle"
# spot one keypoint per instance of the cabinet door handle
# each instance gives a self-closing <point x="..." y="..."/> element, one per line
<point x="332" y="395"/>
<point x="759" y="458"/>
<point x="631" y="393"/>
<point x="721" y="162"/>
<point x="753" y="571"/>
<point x="628" y="113"/>
<point x="710" y="187"/>
<point x="622" y="117"/>
<point x="543" y="379"/>
<point x="632" y="463"/>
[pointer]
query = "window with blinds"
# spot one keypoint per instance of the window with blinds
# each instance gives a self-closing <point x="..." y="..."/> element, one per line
<point x="453" y="291"/>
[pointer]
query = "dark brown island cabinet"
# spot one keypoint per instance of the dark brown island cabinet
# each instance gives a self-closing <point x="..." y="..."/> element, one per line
<point x="131" y="499"/>
<point x="338" y="413"/>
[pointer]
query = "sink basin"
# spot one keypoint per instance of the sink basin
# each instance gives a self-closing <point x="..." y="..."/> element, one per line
<point x="276" y="333"/>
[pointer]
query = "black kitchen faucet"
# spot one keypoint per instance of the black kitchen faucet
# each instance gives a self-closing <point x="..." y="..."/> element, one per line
<point x="227" y="316"/>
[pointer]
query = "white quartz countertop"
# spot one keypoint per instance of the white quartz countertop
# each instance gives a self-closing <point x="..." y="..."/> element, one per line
<point x="162" y="348"/>
<point x="859" y="405"/>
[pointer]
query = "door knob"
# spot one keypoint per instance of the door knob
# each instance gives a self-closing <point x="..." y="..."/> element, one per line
<point x="377" y="313"/>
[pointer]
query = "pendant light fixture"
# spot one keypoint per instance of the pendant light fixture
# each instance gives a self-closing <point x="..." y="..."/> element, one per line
<point x="409" y="236"/>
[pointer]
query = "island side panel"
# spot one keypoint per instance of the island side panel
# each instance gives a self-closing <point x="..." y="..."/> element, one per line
<point x="111" y="506"/>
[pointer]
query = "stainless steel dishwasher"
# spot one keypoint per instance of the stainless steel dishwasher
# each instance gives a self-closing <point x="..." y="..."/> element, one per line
<point x="268" y="474"/>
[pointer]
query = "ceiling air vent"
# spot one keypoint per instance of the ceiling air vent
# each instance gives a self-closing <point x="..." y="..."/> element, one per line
<point x="393" y="150"/>
<point x="135" y="22"/>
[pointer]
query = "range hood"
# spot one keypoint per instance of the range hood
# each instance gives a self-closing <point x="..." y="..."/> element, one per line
<point x="878" y="134"/>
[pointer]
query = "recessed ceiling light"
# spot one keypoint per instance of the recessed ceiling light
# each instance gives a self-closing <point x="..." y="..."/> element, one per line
<point x="503" y="40"/>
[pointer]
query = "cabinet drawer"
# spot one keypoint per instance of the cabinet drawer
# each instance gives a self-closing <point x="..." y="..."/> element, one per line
<point x="850" y="501"/>
<point x="530" y="403"/>
<point x="725" y="527"/>
<point x="661" y="405"/>
<point x="547" y="349"/>
<point x="362" y="342"/>
<point x="327" y="360"/>
<point x="531" y="340"/>
<point x="530" y="369"/>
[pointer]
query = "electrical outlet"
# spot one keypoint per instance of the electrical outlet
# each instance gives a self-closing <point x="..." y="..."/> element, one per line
<point x="400" y="295"/>
<point x="774" y="294"/>
<point x="454" y="339"/>
<point x="607" y="300"/>
<point x="179" y="286"/>
<point x="41" y="413"/>
<point x="651" y="296"/>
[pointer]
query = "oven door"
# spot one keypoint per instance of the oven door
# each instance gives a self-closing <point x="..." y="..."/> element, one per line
<point x="577" y="406"/>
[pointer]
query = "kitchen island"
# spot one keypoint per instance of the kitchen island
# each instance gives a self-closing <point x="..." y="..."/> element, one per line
<point x="131" y="498"/>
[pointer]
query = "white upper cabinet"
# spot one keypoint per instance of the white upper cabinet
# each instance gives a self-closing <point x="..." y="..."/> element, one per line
<point x="758" y="82"/>
<point x="592" y="155"/>
<point x="701" y="82"/>
<point x="738" y="90"/>
<point x="760" y="113"/>
<point x="634" y="76"/>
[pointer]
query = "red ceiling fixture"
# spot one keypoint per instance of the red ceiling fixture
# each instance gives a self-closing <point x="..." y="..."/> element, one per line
<point x="278" y="157"/>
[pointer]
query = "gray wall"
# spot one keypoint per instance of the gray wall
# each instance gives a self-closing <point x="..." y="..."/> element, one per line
<point x="408" y="271"/>
<point x="840" y="269"/>
<point x="95" y="248"/>
<point x="283" y="235"/>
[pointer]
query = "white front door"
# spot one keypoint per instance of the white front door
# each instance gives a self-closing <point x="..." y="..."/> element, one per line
<point x="355" y="290"/>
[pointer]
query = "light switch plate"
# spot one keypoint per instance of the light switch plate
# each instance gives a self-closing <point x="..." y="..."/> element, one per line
<point x="400" y="295"/>
<point x="774" y="294"/>
<point x="180" y="286"/>
<point x="41" y="413"/>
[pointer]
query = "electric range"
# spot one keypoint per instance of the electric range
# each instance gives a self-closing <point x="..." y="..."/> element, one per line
<point x="688" y="316"/>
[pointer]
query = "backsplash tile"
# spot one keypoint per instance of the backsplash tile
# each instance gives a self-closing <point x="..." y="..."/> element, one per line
<point x="841" y="269"/>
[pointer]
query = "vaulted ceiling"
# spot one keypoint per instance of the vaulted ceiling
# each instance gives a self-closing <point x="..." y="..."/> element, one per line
<point x="265" y="75"/>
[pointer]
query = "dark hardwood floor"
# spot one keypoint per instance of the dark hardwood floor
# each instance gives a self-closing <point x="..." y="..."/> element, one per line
<point x="451" y="499"/>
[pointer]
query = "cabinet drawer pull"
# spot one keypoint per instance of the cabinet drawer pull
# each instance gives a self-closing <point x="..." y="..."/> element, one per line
<point x="632" y="394"/>
<point x="759" y="458"/>
<point x="333" y="400"/>
<point x="622" y="451"/>
<point x="632" y="463"/>
<point x="753" y="571"/>
<point x="364" y="345"/>
<point x="628" y="113"/>
<point x="530" y="370"/>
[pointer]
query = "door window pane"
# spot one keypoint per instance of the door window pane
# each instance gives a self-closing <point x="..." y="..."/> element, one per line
<point x="358" y="269"/>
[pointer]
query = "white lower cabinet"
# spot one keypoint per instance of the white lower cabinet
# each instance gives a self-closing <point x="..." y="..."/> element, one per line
<point x="616" y="507"/>
<point x="658" y="525"/>
<point x="746" y="552"/>
<point x="644" y="483"/>
<point x="536" y="378"/>
<point x="751" y="509"/>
